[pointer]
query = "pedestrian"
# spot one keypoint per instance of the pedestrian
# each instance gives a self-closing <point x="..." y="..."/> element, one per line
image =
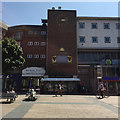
<point x="60" y="89"/>
<point x="101" y="89"/>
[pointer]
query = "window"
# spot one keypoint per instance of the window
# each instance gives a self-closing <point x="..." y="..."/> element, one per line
<point x="42" y="56"/>
<point x="29" y="55"/>
<point x="117" y="25"/>
<point x="36" y="43"/>
<point x="42" y="43"/>
<point x="107" y="39"/>
<point x="30" y="43"/>
<point x="94" y="25"/>
<point x="94" y="40"/>
<point x="43" y="32"/>
<point x="81" y="25"/>
<point x="36" y="56"/>
<point x="118" y="39"/>
<point x="30" y="32"/>
<point x="18" y="43"/>
<point x="106" y="26"/>
<point x="82" y="39"/>
<point x="17" y="36"/>
<point x="37" y="32"/>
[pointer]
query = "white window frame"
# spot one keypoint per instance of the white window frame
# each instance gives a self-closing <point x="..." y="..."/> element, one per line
<point x="42" y="43"/>
<point x="43" y="32"/>
<point x="36" y="43"/>
<point x="29" y="55"/>
<point x="30" y="43"/>
<point x="36" y="56"/>
<point x="42" y="56"/>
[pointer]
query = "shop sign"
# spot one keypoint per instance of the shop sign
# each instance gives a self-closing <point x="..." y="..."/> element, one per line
<point x="111" y="78"/>
<point x="33" y="72"/>
<point x="108" y="62"/>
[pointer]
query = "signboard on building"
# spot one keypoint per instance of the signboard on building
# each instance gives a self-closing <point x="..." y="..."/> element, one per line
<point x="33" y="72"/>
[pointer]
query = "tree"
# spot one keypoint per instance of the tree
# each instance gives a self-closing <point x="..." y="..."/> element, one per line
<point x="11" y="55"/>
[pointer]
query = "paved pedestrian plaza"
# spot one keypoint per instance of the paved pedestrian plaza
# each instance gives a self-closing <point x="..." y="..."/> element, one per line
<point x="68" y="106"/>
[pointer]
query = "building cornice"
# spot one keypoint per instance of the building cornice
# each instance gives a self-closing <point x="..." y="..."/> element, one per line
<point x="98" y="18"/>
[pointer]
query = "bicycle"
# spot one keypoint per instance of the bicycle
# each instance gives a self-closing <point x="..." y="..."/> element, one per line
<point x="100" y="95"/>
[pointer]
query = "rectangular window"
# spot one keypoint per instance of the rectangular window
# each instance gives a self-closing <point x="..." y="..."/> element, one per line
<point x="29" y="55"/>
<point x="17" y="36"/>
<point x="94" y="25"/>
<point x="36" y="43"/>
<point x="36" y="55"/>
<point x="30" y="32"/>
<point x="18" y="43"/>
<point x="106" y="26"/>
<point x="82" y="39"/>
<point x="107" y="39"/>
<point x="30" y="43"/>
<point x="81" y="25"/>
<point x="94" y="40"/>
<point x="42" y="43"/>
<point x="43" y="32"/>
<point x="42" y="56"/>
<point x="37" y="32"/>
<point x="118" y="39"/>
<point x="117" y="25"/>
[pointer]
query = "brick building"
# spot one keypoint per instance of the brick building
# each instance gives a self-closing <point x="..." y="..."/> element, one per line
<point x="71" y="50"/>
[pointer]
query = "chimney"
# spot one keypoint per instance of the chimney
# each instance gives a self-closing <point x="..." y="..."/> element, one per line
<point x="53" y="8"/>
<point x="59" y="8"/>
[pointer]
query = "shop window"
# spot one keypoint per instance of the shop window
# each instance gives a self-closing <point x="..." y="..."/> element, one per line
<point x="94" y="25"/>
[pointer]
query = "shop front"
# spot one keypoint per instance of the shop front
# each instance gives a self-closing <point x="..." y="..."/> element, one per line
<point x="112" y="85"/>
<point x="70" y="85"/>
<point x="31" y="78"/>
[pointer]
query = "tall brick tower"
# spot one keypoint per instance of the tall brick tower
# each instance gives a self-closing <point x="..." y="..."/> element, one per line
<point x="61" y="43"/>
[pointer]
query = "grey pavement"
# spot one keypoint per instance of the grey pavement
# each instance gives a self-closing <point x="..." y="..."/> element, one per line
<point x="68" y="106"/>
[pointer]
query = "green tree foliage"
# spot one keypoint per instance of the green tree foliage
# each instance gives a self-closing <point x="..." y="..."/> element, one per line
<point x="11" y="55"/>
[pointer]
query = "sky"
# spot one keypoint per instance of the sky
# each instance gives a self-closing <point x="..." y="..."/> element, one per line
<point x="31" y="13"/>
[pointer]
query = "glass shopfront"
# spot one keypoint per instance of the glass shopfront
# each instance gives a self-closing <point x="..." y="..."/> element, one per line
<point x="69" y="87"/>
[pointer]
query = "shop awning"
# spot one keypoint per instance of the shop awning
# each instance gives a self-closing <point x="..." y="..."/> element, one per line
<point x="60" y="79"/>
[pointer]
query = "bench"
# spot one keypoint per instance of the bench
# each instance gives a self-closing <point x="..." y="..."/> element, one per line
<point x="11" y="96"/>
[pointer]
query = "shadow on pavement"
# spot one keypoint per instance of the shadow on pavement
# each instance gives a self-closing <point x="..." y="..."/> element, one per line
<point x="28" y="100"/>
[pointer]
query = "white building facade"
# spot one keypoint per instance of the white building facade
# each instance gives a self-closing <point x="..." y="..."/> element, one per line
<point x="98" y="45"/>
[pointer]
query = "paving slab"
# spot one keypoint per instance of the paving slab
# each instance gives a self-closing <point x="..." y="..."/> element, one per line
<point x="68" y="106"/>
